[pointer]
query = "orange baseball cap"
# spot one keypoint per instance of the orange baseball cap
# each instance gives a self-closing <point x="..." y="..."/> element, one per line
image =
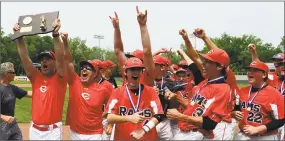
<point x="183" y="63"/>
<point x="158" y="59"/>
<point x="217" y="55"/>
<point x="259" y="65"/>
<point x="98" y="63"/>
<point x="107" y="64"/>
<point x="137" y="53"/>
<point x="133" y="62"/>
<point x="180" y="70"/>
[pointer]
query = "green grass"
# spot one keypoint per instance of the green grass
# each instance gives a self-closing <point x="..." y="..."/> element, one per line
<point x="23" y="106"/>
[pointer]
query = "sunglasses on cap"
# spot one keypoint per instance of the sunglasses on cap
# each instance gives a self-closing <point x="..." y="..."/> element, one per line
<point x="11" y="72"/>
<point x="87" y="67"/>
<point x="279" y="64"/>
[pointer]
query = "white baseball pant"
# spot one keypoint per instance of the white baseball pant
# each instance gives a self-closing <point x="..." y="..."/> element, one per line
<point x="242" y="136"/>
<point x="105" y="136"/>
<point x="190" y="135"/>
<point x="164" y="130"/>
<point x="281" y="133"/>
<point x="224" y="130"/>
<point x="174" y="126"/>
<point x="52" y="134"/>
<point x="77" y="136"/>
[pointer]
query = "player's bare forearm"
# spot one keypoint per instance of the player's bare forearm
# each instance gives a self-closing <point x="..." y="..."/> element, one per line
<point x="197" y="121"/>
<point x="67" y="53"/>
<point x="119" y="48"/>
<point x="193" y="55"/>
<point x="112" y="118"/>
<point x="254" y="56"/>
<point x="210" y="44"/>
<point x="24" y="55"/>
<point x="147" y="54"/>
<point x="186" y="58"/>
<point x="59" y="54"/>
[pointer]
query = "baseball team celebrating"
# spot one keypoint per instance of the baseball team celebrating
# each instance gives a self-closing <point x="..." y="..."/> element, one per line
<point x="209" y="106"/>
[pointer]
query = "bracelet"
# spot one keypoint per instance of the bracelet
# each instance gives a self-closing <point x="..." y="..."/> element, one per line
<point x="55" y="35"/>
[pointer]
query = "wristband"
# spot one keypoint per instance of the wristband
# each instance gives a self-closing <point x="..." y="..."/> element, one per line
<point x="55" y="35"/>
<point x="147" y="127"/>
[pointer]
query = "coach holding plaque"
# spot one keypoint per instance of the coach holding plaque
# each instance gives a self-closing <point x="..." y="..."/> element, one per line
<point x="48" y="86"/>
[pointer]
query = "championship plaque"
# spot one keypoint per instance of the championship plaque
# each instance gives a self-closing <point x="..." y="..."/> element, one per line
<point x="35" y="24"/>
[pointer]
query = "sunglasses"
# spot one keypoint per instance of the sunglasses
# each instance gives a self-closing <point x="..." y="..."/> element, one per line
<point x="87" y="67"/>
<point x="11" y="72"/>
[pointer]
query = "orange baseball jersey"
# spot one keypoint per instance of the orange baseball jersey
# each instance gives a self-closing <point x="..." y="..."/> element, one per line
<point x="120" y="104"/>
<point x="48" y="98"/>
<point x="266" y="103"/>
<point x="85" y="107"/>
<point x="109" y="87"/>
<point x="210" y="99"/>
<point x="231" y="80"/>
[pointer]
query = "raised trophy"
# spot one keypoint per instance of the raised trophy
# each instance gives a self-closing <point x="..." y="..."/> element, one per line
<point x="35" y="24"/>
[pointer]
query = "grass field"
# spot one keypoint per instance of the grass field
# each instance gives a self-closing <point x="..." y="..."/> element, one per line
<point x="23" y="106"/>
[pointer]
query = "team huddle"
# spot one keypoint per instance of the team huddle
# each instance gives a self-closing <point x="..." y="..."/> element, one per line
<point x="197" y="99"/>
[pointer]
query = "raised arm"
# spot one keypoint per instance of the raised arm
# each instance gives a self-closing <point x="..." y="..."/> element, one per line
<point x="68" y="58"/>
<point x="190" y="50"/>
<point x="252" y="49"/>
<point x="118" y="43"/>
<point x="23" y="52"/>
<point x="147" y="56"/>
<point x="200" y="33"/>
<point x="58" y="49"/>
<point x="185" y="56"/>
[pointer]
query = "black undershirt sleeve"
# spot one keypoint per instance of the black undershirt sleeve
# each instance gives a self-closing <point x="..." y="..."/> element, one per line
<point x="208" y="124"/>
<point x="275" y="124"/>
<point x="196" y="73"/>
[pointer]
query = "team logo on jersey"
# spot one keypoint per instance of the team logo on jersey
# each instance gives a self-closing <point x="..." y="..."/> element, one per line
<point x="43" y="89"/>
<point x="85" y="96"/>
<point x="129" y="111"/>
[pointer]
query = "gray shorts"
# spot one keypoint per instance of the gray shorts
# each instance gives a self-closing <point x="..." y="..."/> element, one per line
<point x="10" y="131"/>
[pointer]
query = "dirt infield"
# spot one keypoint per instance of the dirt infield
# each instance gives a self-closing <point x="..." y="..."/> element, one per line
<point x="25" y="131"/>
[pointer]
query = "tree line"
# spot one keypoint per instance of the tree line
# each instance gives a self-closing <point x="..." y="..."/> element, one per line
<point x="236" y="47"/>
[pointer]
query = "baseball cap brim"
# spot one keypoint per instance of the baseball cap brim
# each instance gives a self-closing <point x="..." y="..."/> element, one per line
<point x="128" y="55"/>
<point x="207" y="57"/>
<point x="248" y="67"/>
<point x="82" y="63"/>
<point x="42" y="54"/>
